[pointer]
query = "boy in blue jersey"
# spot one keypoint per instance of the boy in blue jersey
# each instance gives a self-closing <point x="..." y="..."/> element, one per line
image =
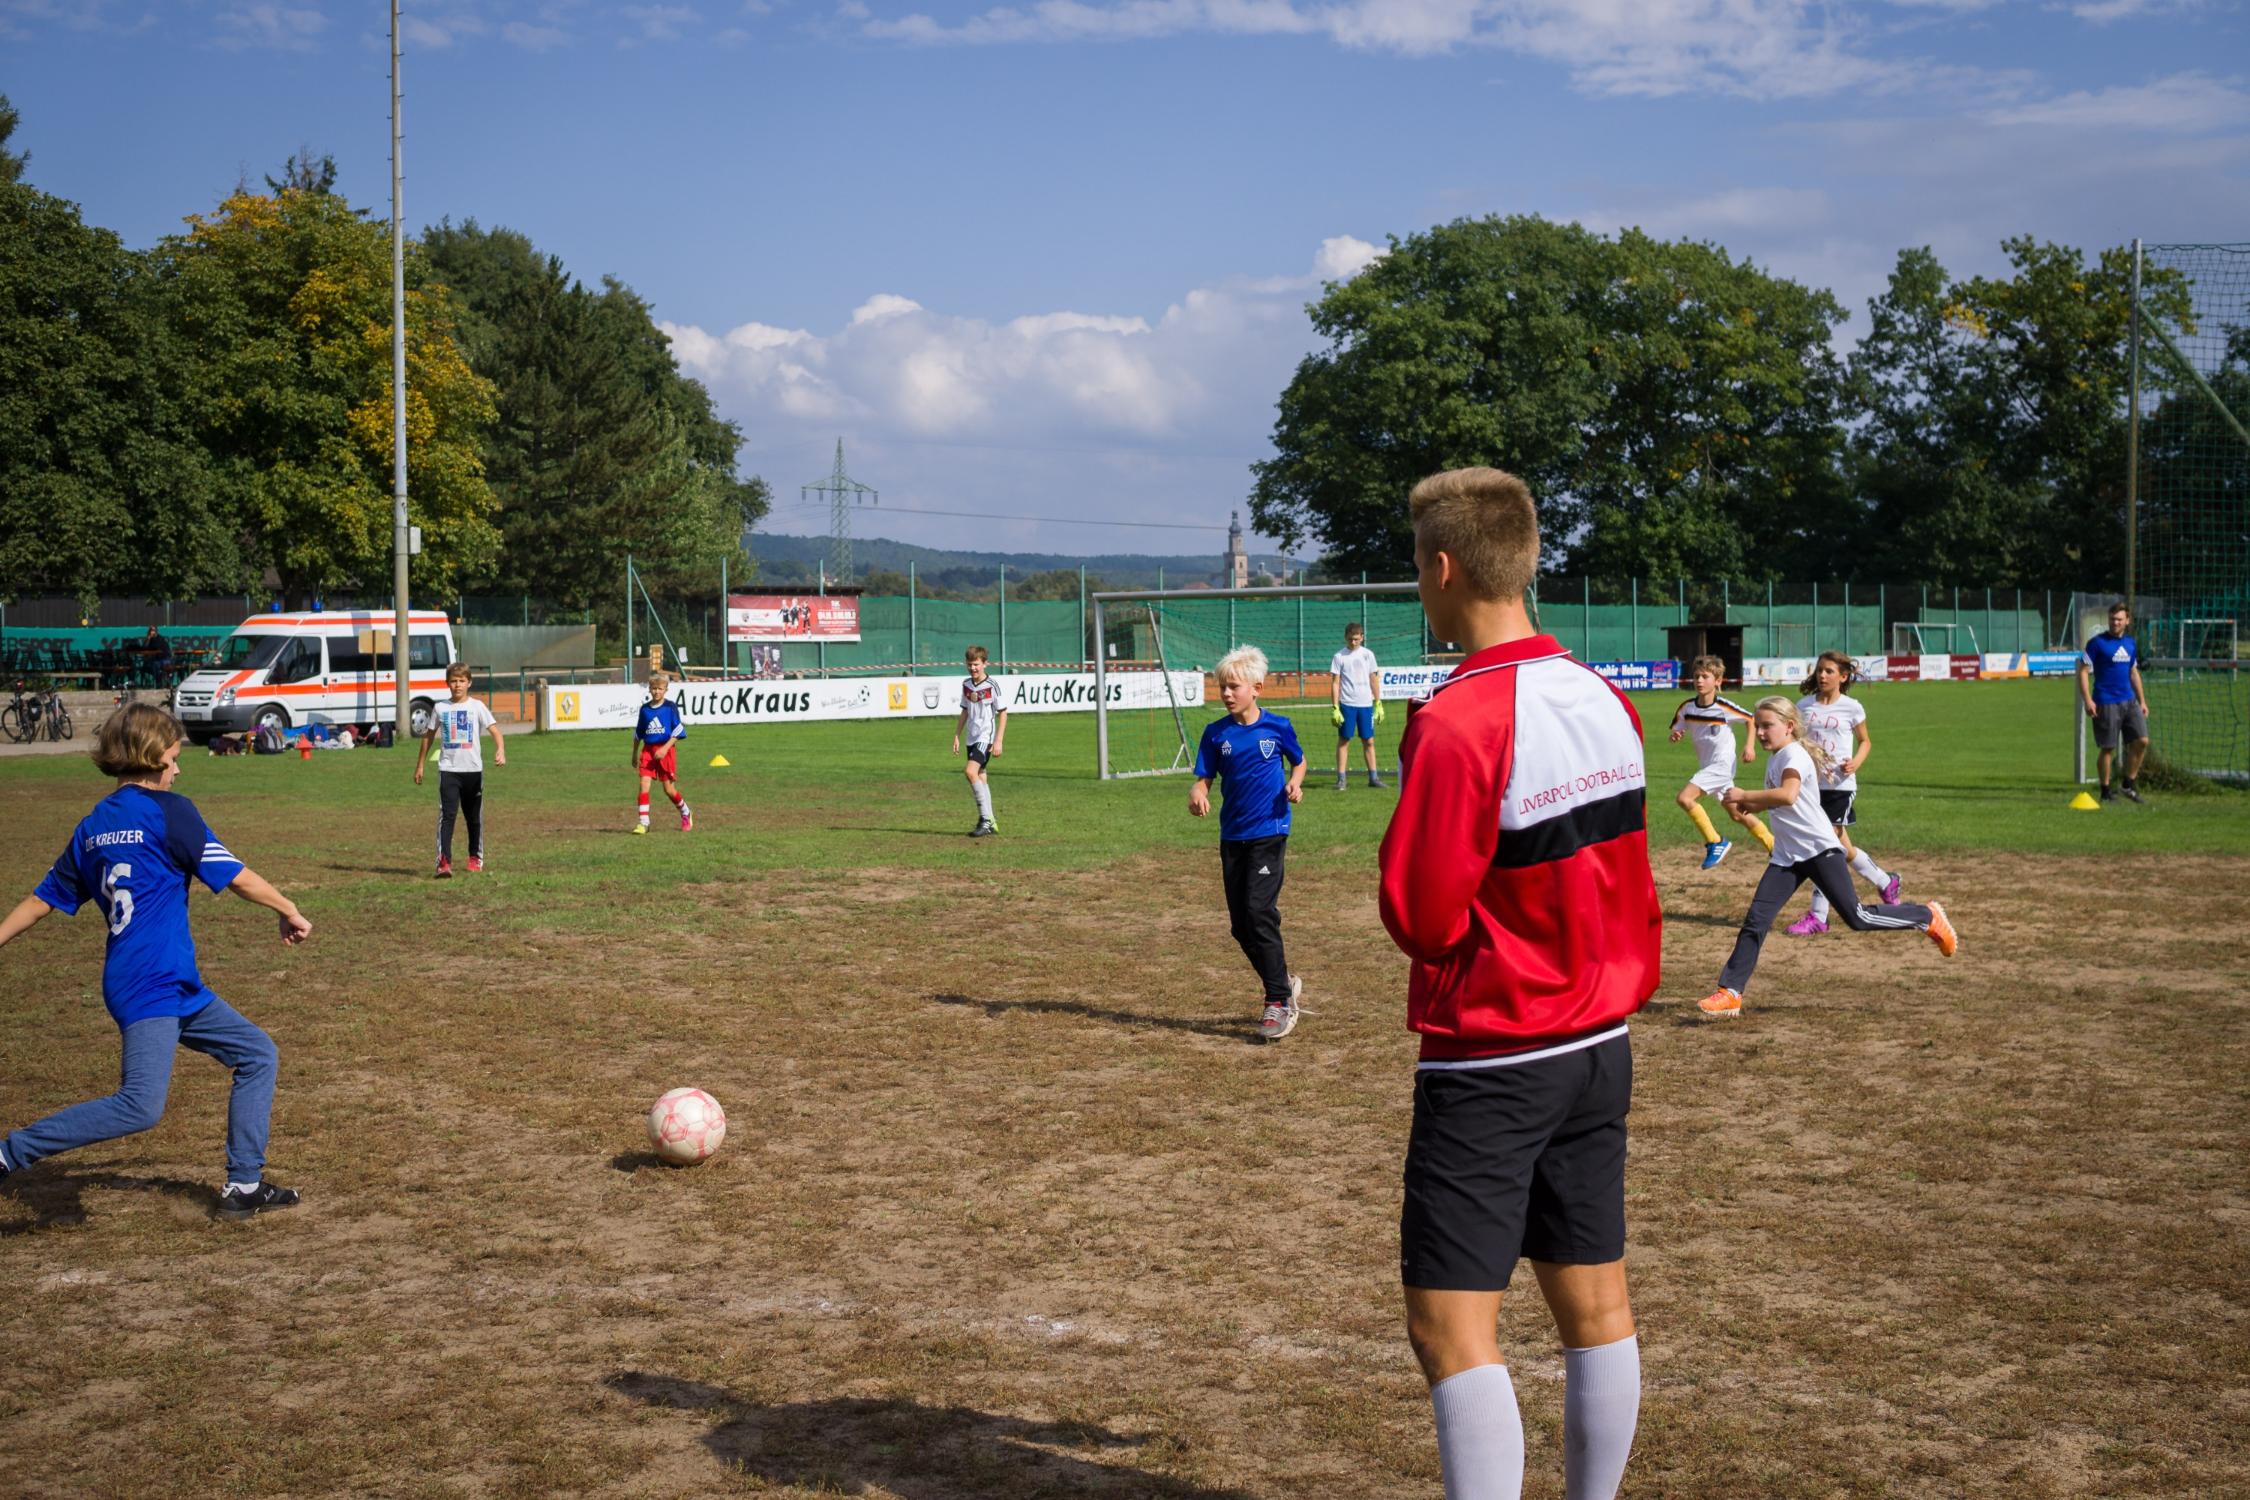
<point x="133" y="856"/>
<point x="1261" y="767"/>
<point x="657" y="733"/>
<point x="2110" y="690"/>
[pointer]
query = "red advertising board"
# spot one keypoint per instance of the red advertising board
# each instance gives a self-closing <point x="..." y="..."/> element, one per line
<point x="792" y="617"/>
<point x="1933" y="668"/>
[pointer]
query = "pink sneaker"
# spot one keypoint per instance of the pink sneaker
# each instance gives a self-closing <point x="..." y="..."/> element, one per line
<point x="687" y="820"/>
<point x="1806" y="926"/>
<point x="1890" y="892"/>
<point x="476" y="861"/>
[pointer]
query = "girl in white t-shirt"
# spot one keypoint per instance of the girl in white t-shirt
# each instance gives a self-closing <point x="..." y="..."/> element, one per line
<point x="1837" y="722"/>
<point x="1805" y="848"/>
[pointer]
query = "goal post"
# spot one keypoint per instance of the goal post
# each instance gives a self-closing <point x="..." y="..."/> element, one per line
<point x="1182" y="633"/>
<point x="1916" y="638"/>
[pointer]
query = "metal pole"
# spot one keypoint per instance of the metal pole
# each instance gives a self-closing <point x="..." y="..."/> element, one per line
<point x="628" y="617"/>
<point x="913" y="626"/>
<point x="1003" y="615"/>
<point x="820" y="648"/>
<point x="1101" y="694"/>
<point x="1082" y="621"/>
<point x="2133" y="448"/>
<point x="1635" y="606"/>
<point x="1816" y="614"/>
<point x="1847" y="617"/>
<point x="1773" y="647"/>
<point x="726" y="636"/>
<point x="1586" y="616"/>
<point x="402" y="711"/>
<point x="1301" y="645"/>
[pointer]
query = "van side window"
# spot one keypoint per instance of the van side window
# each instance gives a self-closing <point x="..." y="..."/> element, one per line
<point x="345" y="657"/>
<point x="298" y="661"/>
<point x="426" y="652"/>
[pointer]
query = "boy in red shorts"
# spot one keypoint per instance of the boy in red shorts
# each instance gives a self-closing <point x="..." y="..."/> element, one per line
<point x="1515" y="875"/>
<point x="656" y="737"/>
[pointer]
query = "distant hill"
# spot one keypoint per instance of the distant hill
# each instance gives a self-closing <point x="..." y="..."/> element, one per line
<point x="784" y="559"/>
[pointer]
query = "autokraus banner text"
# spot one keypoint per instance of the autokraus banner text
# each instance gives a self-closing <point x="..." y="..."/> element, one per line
<point x="741" y="701"/>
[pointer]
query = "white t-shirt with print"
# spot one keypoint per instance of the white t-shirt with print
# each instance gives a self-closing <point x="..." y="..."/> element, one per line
<point x="1800" y="830"/>
<point x="1354" y="672"/>
<point x="982" y="700"/>
<point x="1832" y="724"/>
<point x="458" y="726"/>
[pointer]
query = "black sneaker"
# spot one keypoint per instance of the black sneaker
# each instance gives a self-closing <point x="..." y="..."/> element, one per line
<point x="2109" y="793"/>
<point x="235" y="1204"/>
<point x="985" y="829"/>
<point x="2132" y="793"/>
<point x="1375" y="782"/>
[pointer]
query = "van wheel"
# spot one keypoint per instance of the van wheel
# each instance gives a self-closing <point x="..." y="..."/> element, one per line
<point x="418" y="717"/>
<point x="273" y="716"/>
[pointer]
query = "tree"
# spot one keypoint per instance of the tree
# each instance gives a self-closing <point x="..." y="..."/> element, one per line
<point x="1993" y="445"/>
<point x="287" y="297"/>
<point x="1656" y="396"/>
<point x="602" y="447"/>
<point x="102" y="484"/>
<point x="12" y="163"/>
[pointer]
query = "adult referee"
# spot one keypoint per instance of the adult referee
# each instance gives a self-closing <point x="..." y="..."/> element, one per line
<point x="2109" y="685"/>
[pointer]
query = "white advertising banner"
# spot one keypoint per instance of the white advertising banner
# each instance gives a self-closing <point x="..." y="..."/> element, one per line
<point x="747" y="701"/>
<point x="1776" y="669"/>
<point x="1411" y="682"/>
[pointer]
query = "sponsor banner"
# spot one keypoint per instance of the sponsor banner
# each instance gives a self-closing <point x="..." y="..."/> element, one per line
<point x="2052" y="663"/>
<point x="1640" y="676"/>
<point x="792" y="617"/>
<point x="2005" y="664"/>
<point x="1411" y="682"/>
<point x="745" y="701"/>
<point x="1763" y="670"/>
<point x="1933" y="667"/>
<point x="1871" y="668"/>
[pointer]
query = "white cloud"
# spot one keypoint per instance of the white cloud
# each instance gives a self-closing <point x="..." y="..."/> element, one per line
<point x="2104" y="12"/>
<point x="1343" y="257"/>
<point x="285" y="28"/>
<point x="2183" y="104"/>
<point x="884" y="305"/>
<point x="659" y="23"/>
<point x="1764" y="48"/>
<point x="1720" y="215"/>
<point x="533" y="38"/>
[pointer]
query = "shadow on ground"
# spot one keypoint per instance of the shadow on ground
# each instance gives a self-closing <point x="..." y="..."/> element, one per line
<point x="1234" y="1028"/>
<point x="58" y="1199"/>
<point x="917" y="1452"/>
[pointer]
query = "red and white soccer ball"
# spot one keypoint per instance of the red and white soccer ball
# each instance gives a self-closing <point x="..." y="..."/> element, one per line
<point x="685" y="1126"/>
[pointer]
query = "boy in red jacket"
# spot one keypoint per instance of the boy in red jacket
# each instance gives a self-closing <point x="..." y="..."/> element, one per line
<point x="1515" y="875"/>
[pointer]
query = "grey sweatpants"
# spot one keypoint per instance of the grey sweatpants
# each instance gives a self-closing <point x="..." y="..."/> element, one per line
<point x="1833" y="876"/>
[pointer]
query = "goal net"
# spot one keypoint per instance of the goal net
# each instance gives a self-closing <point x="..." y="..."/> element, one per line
<point x="1932" y="638"/>
<point x="2191" y="502"/>
<point x="1183" y="633"/>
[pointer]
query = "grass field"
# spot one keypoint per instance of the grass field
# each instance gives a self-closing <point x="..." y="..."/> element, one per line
<point x="1013" y="1205"/>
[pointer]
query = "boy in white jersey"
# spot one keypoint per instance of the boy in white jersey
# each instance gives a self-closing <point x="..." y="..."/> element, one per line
<point x="1805" y="848"/>
<point x="1837" y="722"/>
<point x="1711" y="720"/>
<point x="983" y="728"/>
<point x="1355" y="699"/>
<point x="454" y="727"/>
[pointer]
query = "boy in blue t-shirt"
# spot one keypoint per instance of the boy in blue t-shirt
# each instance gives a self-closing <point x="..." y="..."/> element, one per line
<point x="133" y="856"/>
<point x="1256" y="757"/>
<point x="657" y="731"/>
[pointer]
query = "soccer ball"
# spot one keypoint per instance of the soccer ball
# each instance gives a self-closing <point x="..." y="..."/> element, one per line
<point x="685" y="1126"/>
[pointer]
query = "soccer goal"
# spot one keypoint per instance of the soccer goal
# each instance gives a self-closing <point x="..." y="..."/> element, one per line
<point x="1179" y="635"/>
<point x="1933" y="638"/>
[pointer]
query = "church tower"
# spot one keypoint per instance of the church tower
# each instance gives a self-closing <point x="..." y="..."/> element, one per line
<point x="1237" y="566"/>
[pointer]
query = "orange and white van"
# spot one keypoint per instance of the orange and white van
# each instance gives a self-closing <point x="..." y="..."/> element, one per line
<point x="286" y="670"/>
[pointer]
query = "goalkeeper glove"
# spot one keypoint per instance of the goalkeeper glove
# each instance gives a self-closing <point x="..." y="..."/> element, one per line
<point x="1378" y="711"/>
<point x="1335" y="715"/>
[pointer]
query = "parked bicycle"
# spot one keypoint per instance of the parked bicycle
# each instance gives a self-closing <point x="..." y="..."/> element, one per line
<point x="36" y="714"/>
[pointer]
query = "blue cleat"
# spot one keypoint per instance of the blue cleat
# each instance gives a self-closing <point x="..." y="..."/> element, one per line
<point x="1713" y="853"/>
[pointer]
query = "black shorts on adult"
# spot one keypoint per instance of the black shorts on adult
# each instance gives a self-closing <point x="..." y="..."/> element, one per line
<point x="1836" y="807"/>
<point x="1513" y="1161"/>
<point x="981" y="754"/>
<point x="2118" y="723"/>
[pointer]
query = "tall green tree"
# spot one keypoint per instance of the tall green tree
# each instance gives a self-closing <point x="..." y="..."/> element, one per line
<point x="1658" y="397"/>
<point x="286" y="297"/>
<point x="1992" y="449"/>
<point x="602" y="446"/>
<point x="103" y="486"/>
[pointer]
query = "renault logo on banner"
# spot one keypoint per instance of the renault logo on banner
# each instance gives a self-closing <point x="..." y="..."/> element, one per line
<point x="566" y="708"/>
<point x="898" y="697"/>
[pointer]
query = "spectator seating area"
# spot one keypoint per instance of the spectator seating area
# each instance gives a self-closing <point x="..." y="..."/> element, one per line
<point x="107" y="657"/>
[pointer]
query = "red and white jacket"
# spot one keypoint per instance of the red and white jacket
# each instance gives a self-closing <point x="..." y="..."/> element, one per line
<point x="1515" y="873"/>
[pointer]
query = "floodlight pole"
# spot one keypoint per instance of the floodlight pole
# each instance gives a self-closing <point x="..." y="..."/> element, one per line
<point x="403" y="712"/>
<point x="2133" y="445"/>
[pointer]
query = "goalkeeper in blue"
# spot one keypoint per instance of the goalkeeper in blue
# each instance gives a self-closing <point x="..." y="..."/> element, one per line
<point x="1355" y="703"/>
<point x="133" y="856"/>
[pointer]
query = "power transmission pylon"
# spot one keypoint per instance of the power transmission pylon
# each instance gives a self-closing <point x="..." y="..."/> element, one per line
<point x="842" y="491"/>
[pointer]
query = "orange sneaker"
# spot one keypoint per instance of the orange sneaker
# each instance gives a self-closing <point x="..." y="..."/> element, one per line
<point x="1722" y="1004"/>
<point x="1941" y="931"/>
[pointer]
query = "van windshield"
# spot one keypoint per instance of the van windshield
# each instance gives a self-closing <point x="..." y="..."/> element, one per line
<point x="250" y="652"/>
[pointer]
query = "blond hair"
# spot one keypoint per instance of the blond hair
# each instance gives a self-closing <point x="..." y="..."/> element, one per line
<point x="1786" y="711"/>
<point x="659" y="678"/>
<point x="1243" y="664"/>
<point x="1712" y="664"/>
<point x="131" y="742"/>
<point x="1483" y="519"/>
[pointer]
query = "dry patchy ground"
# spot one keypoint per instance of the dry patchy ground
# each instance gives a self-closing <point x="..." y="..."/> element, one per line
<point x="1011" y="1205"/>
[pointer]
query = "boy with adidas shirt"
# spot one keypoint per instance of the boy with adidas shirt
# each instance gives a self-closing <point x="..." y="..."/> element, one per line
<point x="1515" y="876"/>
<point x="983" y="727"/>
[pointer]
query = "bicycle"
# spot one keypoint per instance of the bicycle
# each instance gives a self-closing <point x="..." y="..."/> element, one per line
<point x="55" y="716"/>
<point x="20" y="718"/>
<point x="38" y="714"/>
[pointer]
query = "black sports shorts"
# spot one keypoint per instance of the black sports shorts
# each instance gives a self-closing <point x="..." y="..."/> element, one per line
<point x="981" y="754"/>
<point x="1836" y="807"/>
<point x="1516" y="1160"/>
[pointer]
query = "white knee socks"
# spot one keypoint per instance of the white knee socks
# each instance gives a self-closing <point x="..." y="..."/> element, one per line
<point x="1863" y="864"/>
<point x="982" y="791"/>
<point x="1601" y="1407"/>
<point x="1479" y="1434"/>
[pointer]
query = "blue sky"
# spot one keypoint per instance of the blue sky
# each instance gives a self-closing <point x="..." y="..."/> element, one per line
<point x="1051" y="259"/>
